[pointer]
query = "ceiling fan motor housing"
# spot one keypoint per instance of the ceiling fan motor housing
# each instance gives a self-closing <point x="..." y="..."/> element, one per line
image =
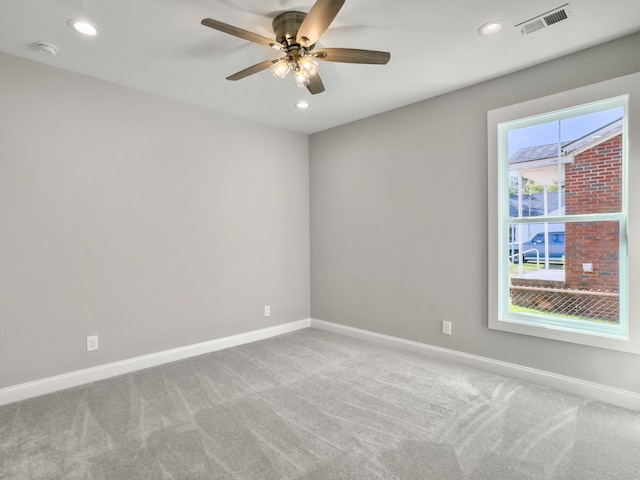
<point x="286" y="26"/>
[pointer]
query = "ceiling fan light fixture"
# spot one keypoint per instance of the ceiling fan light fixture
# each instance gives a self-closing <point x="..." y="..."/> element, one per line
<point x="280" y="68"/>
<point x="301" y="79"/>
<point x="309" y="66"/>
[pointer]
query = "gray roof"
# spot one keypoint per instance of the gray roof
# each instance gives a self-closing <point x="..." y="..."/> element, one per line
<point x="539" y="152"/>
<point x="533" y="204"/>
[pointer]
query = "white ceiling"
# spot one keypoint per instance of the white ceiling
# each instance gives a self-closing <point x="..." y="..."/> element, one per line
<point x="160" y="47"/>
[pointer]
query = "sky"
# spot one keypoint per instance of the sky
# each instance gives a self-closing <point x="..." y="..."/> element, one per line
<point x="569" y="129"/>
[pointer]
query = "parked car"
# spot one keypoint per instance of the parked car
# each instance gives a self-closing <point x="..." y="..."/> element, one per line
<point x="536" y="244"/>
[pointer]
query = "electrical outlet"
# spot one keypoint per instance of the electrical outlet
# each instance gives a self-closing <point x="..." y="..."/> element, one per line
<point x="267" y="310"/>
<point x="446" y="327"/>
<point x="92" y="343"/>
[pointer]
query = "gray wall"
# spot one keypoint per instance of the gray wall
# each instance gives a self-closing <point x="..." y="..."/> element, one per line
<point x="399" y="220"/>
<point x="152" y="224"/>
<point x="157" y="225"/>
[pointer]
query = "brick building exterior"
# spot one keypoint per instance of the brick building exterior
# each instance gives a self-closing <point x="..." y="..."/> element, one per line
<point x="593" y="184"/>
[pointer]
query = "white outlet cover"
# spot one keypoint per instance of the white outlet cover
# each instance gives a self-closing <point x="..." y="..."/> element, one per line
<point x="446" y="327"/>
<point x="92" y="343"/>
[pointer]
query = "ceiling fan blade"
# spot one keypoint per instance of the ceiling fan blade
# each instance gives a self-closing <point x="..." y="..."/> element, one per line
<point x="352" y="55"/>
<point x="317" y="21"/>
<point x="241" y="33"/>
<point x="258" y="67"/>
<point x="315" y="85"/>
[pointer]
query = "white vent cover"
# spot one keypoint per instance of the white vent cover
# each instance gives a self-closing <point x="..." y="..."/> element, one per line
<point x="545" y="20"/>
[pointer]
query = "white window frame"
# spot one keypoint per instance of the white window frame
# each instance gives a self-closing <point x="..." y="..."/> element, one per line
<point x="622" y="91"/>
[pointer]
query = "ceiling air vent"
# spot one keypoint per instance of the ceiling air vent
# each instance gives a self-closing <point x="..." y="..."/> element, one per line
<point x="545" y="20"/>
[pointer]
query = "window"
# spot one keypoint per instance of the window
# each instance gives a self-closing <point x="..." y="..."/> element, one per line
<point x="558" y="218"/>
<point x="564" y="174"/>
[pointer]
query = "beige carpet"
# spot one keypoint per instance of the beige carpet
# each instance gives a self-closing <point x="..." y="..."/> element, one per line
<point x="316" y="405"/>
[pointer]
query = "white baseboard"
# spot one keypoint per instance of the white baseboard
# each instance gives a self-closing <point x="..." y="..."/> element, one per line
<point x="615" y="396"/>
<point x="101" y="372"/>
<point x="595" y="391"/>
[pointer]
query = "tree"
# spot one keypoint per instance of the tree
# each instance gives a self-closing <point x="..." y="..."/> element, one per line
<point x="528" y="186"/>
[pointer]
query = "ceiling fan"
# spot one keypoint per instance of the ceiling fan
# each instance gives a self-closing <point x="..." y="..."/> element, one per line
<point x="296" y="34"/>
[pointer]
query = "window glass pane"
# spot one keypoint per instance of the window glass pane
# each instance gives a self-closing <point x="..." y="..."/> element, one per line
<point x="529" y="246"/>
<point x="535" y="203"/>
<point x="593" y="172"/>
<point x="577" y="160"/>
<point x="533" y="170"/>
<point x="568" y="270"/>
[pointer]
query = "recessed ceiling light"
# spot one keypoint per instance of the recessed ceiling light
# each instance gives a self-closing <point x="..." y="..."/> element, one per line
<point x="301" y="104"/>
<point x="490" y="28"/>
<point x="82" y="26"/>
